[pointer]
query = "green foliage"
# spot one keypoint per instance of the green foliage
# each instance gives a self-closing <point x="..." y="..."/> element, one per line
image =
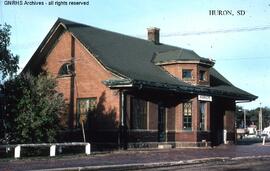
<point x="265" y="116"/>
<point x="252" y="116"/>
<point x="33" y="109"/>
<point x="8" y="61"/>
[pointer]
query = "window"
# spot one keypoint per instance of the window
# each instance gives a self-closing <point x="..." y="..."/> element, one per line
<point x="202" y="115"/>
<point x="187" y="74"/>
<point x="84" y="105"/>
<point x="138" y="113"/>
<point x="187" y="116"/>
<point x="202" y="75"/>
<point x="66" y="69"/>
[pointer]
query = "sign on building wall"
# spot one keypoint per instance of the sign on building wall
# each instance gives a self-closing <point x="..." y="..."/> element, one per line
<point x="205" y="98"/>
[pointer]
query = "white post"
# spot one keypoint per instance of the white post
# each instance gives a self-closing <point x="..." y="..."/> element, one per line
<point x="260" y="120"/>
<point x="225" y="136"/>
<point x="87" y="149"/>
<point x="52" y="150"/>
<point x="17" y="152"/>
<point x="263" y="143"/>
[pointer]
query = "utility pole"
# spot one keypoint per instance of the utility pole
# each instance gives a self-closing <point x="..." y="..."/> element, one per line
<point x="260" y="118"/>
<point x="245" y="119"/>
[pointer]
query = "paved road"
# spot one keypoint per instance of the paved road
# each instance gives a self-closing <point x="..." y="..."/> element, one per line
<point x="253" y="164"/>
<point x="135" y="157"/>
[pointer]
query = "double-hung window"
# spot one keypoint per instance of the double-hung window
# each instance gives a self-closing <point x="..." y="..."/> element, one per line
<point x="187" y="116"/>
<point x="202" y="115"/>
<point x="84" y="106"/>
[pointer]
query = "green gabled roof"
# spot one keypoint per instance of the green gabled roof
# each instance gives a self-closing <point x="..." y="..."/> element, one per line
<point x="134" y="60"/>
<point x="126" y="55"/>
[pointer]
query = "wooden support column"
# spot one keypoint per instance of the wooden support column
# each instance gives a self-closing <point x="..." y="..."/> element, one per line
<point x="123" y="124"/>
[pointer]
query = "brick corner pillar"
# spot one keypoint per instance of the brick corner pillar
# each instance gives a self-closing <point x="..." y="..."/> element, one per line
<point x="229" y="126"/>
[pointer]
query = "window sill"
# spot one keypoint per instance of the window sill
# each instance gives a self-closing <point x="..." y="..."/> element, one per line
<point x="188" y="79"/>
<point x="64" y="76"/>
<point x="187" y="130"/>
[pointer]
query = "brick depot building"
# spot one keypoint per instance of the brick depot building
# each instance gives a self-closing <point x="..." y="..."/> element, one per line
<point x="135" y="92"/>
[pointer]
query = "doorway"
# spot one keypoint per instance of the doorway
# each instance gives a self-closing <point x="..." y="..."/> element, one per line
<point x="161" y="123"/>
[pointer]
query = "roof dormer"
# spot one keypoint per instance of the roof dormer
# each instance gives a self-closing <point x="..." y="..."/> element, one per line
<point x="185" y="65"/>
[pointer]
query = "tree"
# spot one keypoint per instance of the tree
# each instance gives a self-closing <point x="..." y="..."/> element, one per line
<point x="8" y="61"/>
<point x="33" y="109"/>
<point x="265" y="116"/>
<point x="252" y="116"/>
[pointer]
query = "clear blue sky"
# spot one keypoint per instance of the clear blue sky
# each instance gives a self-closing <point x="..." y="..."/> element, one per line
<point x="240" y="48"/>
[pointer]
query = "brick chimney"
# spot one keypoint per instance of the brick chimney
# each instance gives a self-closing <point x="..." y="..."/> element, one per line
<point x="153" y="34"/>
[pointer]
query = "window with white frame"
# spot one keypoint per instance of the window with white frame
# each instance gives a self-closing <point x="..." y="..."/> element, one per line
<point x="187" y="116"/>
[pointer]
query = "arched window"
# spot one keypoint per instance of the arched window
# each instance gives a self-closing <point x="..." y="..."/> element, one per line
<point x="66" y="69"/>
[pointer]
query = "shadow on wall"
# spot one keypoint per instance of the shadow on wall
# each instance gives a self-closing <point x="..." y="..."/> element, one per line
<point x="101" y="125"/>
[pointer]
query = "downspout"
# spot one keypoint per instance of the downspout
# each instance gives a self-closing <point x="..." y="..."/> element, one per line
<point x="72" y="85"/>
<point x="122" y="123"/>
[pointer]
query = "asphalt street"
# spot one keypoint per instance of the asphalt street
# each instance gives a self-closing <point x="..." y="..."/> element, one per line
<point x="170" y="159"/>
<point x="250" y="164"/>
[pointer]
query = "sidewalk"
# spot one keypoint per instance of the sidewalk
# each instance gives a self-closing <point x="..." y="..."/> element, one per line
<point x="143" y="158"/>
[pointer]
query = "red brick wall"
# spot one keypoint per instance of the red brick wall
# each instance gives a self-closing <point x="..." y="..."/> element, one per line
<point x="171" y="118"/>
<point x="89" y="74"/>
<point x="179" y="117"/>
<point x="153" y="116"/>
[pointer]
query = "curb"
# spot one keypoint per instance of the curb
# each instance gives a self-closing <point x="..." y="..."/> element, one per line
<point x="135" y="166"/>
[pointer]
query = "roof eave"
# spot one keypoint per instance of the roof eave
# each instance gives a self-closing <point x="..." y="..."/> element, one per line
<point x="38" y="53"/>
<point x="128" y="83"/>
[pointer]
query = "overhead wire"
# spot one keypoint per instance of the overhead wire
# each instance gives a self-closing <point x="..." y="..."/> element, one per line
<point x="229" y="30"/>
<point x="244" y="58"/>
<point x="219" y="31"/>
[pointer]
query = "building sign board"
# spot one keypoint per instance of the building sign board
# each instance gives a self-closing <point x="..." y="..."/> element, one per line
<point x="205" y="98"/>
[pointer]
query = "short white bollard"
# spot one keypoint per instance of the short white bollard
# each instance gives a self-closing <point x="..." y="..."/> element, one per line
<point x="88" y="149"/>
<point x="17" y="151"/>
<point x="263" y="143"/>
<point x="225" y="136"/>
<point x="52" y="150"/>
